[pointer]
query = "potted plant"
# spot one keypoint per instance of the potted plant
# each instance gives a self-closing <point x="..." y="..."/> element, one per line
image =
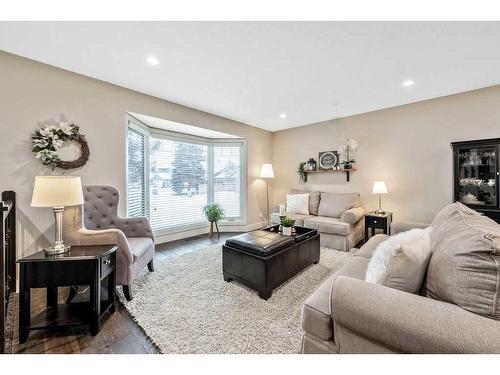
<point x="347" y="152"/>
<point x="287" y="224"/>
<point x="214" y="213"/>
<point x="301" y="171"/>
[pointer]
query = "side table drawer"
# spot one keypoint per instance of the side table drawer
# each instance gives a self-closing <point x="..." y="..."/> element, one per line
<point x="376" y="222"/>
<point x="106" y="264"/>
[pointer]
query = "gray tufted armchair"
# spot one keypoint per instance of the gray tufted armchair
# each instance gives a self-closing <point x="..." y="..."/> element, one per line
<point x="96" y="222"/>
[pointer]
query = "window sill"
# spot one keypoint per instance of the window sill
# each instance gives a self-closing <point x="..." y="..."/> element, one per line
<point x="180" y="229"/>
<point x="238" y="221"/>
<point x="200" y="225"/>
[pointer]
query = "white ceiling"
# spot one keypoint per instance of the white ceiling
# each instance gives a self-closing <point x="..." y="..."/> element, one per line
<point x="254" y="71"/>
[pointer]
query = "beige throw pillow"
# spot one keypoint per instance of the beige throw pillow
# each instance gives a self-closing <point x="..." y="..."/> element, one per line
<point x="297" y="204"/>
<point x="400" y="262"/>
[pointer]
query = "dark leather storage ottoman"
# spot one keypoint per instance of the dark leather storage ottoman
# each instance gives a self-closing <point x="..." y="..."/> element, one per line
<point x="264" y="259"/>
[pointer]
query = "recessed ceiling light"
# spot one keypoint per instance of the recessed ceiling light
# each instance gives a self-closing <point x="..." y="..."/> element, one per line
<point x="152" y="60"/>
<point x="283" y="115"/>
<point x="408" y="83"/>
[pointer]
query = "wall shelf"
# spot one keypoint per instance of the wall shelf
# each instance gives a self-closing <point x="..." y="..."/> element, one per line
<point x="346" y="171"/>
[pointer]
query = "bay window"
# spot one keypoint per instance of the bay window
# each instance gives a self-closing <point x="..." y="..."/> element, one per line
<point x="172" y="176"/>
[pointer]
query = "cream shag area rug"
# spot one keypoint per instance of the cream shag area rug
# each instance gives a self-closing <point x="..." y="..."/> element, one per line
<point x="186" y="307"/>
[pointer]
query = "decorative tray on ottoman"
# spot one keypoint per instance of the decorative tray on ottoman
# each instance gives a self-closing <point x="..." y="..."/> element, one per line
<point x="264" y="259"/>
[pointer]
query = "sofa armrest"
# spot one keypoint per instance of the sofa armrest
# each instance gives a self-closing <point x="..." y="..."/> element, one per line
<point x="403" y="226"/>
<point x="408" y="322"/>
<point x="134" y="227"/>
<point x="353" y="215"/>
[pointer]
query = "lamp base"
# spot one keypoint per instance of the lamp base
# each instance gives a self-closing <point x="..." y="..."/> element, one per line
<point x="57" y="250"/>
<point x="380" y="212"/>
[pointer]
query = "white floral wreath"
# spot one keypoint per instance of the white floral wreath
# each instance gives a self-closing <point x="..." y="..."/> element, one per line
<point x="48" y="140"/>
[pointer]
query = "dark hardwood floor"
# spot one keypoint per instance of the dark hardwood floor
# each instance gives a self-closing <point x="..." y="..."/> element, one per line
<point x="119" y="333"/>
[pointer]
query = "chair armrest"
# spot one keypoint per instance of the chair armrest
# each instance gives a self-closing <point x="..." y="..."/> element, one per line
<point x="134" y="227"/>
<point x="408" y="322"/>
<point x="403" y="226"/>
<point x="353" y="215"/>
<point x="101" y="237"/>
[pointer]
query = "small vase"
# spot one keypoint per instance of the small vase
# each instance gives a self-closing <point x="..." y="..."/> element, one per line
<point x="347" y="166"/>
<point x="311" y="164"/>
<point x="287" y="231"/>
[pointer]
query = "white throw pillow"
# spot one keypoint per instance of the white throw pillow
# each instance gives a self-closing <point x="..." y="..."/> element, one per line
<point x="297" y="204"/>
<point x="400" y="262"/>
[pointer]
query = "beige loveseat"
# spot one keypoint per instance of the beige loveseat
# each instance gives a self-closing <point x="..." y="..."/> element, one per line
<point x="348" y="315"/>
<point x="338" y="217"/>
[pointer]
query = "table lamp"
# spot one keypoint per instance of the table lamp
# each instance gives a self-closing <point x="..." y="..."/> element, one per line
<point x="379" y="188"/>
<point x="266" y="171"/>
<point x="57" y="192"/>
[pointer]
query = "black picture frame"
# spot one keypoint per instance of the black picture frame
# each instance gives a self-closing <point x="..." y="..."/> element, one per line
<point x="330" y="155"/>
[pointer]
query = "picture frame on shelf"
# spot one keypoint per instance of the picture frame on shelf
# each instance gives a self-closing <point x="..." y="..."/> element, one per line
<point x="328" y="160"/>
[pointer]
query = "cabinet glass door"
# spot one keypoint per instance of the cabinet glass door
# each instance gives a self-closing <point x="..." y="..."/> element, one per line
<point x="477" y="176"/>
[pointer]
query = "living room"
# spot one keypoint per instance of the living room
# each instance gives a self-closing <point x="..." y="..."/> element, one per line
<point x="250" y="187"/>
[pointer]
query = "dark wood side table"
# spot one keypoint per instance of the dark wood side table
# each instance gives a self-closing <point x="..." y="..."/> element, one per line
<point x="82" y="265"/>
<point x="377" y="221"/>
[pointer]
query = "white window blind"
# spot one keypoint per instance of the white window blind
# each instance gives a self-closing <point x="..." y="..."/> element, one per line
<point x="171" y="178"/>
<point x="227" y="178"/>
<point x="178" y="183"/>
<point x="136" y="184"/>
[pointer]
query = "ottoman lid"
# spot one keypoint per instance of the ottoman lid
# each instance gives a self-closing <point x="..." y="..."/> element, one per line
<point x="260" y="242"/>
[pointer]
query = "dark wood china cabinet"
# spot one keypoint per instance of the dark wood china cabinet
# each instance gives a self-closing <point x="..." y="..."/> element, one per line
<point x="476" y="175"/>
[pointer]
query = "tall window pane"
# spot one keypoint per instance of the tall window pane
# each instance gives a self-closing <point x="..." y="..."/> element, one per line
<point x="178" y="183"/>
<point x="136" y="187"/>
<point x="227" y="179"/>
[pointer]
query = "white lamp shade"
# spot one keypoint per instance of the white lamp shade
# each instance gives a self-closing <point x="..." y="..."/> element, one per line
<point x="266" y="171"/>
<point x="379" y="188"/>
<point x="57" y="191"/>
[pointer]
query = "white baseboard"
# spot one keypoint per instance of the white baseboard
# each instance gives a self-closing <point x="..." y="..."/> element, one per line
<point x="205" y="230"/>
<point x="180" y="235"/>
<point x="241" y="228"/>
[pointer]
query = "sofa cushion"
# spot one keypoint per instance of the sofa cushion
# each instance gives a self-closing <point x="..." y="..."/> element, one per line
<point x="139" y="246"/>
<point x="314" y="197"/>
<point x="369" y="248"/>
<point x="329" y="225"/>
<point x="334" y="204"/>
<point x="401" y="261"/>
<point x="316" y="313"/>
<point x="465" y="266"/>
<point x="299" y="219"/>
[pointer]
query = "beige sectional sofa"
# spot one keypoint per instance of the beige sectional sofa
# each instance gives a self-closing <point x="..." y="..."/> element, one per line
<point x="338" y="217"/>
<point x="456" y="311"/>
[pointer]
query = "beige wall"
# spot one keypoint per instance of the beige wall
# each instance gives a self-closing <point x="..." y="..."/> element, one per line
<point x="33" y="94"/>
<point x="407" y="146"/>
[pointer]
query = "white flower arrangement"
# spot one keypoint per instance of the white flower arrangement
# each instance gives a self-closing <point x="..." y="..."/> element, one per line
<point x="48" y="140"/>
<point x="347" y="151"/>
